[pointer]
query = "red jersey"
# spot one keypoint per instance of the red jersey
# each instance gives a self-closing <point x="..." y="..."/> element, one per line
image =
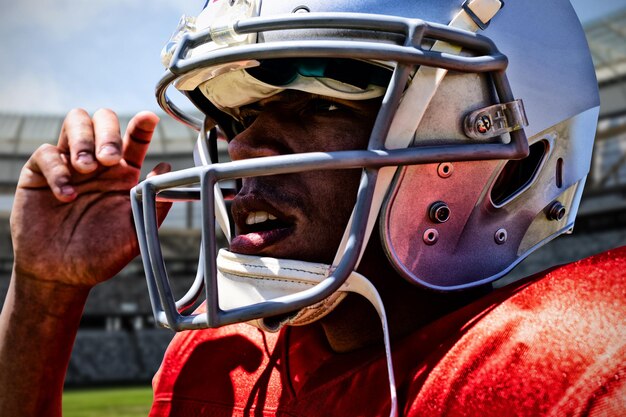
<point x="552" y="345"/>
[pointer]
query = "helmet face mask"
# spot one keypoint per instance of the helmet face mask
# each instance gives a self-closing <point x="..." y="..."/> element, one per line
<point x="491" y="222"/>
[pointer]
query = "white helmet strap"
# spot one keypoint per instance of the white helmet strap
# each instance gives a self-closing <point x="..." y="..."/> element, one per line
<point x="412" y="108"/>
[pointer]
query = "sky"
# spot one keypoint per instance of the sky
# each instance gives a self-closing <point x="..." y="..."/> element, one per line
<point x="59" y="54"/>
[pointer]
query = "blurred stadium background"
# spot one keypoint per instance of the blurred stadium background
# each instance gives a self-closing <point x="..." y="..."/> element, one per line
<point x="118" y="342"/>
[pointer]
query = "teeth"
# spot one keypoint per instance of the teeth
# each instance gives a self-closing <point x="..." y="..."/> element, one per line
<point x="256" y="217"/>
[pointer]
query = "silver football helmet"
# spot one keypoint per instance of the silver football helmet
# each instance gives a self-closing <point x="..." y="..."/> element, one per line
<point x="489" y="110"/>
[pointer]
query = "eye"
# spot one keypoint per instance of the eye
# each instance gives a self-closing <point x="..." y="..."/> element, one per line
<point x="327" y="107"/>
<point x="236" y="127"/>
<point x="247" y="116"/>
<point x="321" y="106"/>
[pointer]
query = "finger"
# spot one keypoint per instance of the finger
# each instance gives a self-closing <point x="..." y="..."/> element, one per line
<point x="48" y="166"/>
<point x="138" y="136"/>
<point x="77" y="138"/>
<point x="108" y="141"/>
<point x="161" y="168"/>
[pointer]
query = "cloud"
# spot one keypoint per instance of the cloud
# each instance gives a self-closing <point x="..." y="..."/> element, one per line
<point x="30" y="91"/>
<point x="61" y="19"/>
<point x="67" y="53"/>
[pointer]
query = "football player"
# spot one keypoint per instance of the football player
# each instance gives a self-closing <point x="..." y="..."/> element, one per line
<point x="392" y="160"/>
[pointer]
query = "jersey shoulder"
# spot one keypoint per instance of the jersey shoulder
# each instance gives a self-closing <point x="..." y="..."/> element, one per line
<point x="553" y="344"/>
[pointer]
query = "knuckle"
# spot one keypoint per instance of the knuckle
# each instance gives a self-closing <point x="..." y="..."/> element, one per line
<point x="76" y="113"/>
<point x="41" y="155"/>
<point x="44" y="149"/>
<point x="57" y="171"/>
<point x="77" y="123"/>
<point x="48" y="160"/>
<point x="106" y="112"/>
<point x="106" y="126"/>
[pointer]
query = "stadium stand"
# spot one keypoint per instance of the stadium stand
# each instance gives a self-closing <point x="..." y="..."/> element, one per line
<point x="108" y="357"/>
<point x="150" y="344"/>
<point x="103" y="357"/>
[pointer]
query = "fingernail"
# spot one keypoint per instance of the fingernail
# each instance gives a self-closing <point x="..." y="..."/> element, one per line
<point x="67" y="190"/>
<point x="84" y="158"/>
<point x="109" y="150"/>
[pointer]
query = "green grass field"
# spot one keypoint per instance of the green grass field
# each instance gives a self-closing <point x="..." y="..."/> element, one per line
<point x="107" y="402"/>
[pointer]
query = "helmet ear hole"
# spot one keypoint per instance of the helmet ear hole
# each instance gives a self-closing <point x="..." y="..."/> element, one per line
<point x="559" y="173"/>
<point x="518" y="175"/>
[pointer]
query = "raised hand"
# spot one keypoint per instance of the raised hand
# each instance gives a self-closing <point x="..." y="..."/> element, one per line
<point x="71" y="221"/>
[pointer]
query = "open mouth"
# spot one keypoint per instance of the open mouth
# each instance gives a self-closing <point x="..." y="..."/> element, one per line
<point x="259" y="230"/>
<point x="261" y="221"/>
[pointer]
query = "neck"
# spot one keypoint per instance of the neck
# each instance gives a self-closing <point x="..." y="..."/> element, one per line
<point x="355" y="324"/>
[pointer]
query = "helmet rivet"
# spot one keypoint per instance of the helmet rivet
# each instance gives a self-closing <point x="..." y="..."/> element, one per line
<point x="556" y="211"/>
<point x="444" y="170"/>
<point x="483" y="124"/>
<point x="500" y="236"/>
<point x="431" y="236"/>
<point x="439" y="212"/>
<point x="301" y="9"/>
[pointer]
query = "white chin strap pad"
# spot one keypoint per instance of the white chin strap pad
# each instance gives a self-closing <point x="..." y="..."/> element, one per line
<point x="245" y="280"/>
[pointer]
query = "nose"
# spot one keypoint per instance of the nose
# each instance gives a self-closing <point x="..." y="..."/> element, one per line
<point x="261" y="138"/>
<point x="242" y="148"/>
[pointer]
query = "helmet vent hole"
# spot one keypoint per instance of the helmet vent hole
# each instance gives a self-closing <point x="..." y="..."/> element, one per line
<point x="559" y="172"/>
<point x="444" y="170"/>
<point x="431" y="236"/>
<point x="518" y="175"/>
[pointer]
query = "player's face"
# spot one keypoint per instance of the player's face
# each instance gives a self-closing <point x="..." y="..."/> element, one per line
<point x="298" y="216"/>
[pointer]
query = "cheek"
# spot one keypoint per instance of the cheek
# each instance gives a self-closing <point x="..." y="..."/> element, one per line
<point x="334" y="194"/>
<point x="338" y="133"/>
<point x="331" y="198"/>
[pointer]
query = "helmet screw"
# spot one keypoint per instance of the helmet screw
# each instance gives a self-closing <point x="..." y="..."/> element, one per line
<point x="431" y="236"/>
<point x="439" y="212"/>
<point x="500" y="236"/>
<point x="444" y="170"/>
<point x="556" y="211"/>
<point x="483" y="124"/>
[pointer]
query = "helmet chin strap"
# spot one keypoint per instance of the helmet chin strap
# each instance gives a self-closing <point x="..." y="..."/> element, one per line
<point x="245" y="280"/>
